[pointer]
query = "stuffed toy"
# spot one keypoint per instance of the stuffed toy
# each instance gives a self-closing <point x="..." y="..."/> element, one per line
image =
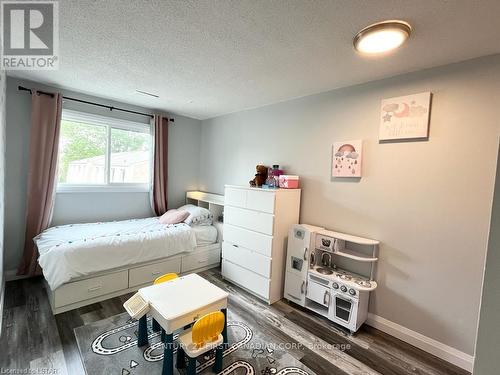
<point x="260" y="176"/>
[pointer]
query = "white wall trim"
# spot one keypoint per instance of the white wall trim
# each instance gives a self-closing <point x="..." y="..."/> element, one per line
<point x="440" y="350"/>
<point x="104" y="188"/>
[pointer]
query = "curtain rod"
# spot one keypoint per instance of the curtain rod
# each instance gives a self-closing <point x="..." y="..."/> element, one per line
<point x="21" y="88"/>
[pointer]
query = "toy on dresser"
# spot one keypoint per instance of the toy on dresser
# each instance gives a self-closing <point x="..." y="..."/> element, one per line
<point x="260" y="176"/>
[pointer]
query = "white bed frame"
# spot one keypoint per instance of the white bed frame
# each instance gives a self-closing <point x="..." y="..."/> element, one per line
<point x="118" y="281"/>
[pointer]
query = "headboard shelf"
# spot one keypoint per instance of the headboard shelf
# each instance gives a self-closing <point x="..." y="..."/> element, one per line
<point x="213" y="202"/>
<point x="205" y="197"/>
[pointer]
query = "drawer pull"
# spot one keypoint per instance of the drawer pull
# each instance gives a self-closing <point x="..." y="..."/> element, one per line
<point x="154" y="273"/>
<point x="203" y="261"/>
<point x="94" y="288"/>
<point x="235" y="245"/>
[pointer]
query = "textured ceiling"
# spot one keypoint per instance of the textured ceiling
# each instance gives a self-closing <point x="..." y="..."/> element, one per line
<point x="205" y="58"/>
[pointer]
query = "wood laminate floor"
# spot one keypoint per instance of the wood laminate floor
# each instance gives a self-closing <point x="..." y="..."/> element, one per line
<point x="33" y="338"/>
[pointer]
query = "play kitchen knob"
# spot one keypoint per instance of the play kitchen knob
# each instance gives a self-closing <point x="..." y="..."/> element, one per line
<point x="343" y="288"/>
<point x="335" y="286"/>
<point x="352" y="292"/>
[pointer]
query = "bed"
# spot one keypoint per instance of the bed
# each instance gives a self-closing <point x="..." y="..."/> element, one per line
<point x="87" y="263"/>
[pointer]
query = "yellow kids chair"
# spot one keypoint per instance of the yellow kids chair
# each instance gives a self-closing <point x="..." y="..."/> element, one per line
<point x="164" y="278"/>
<point x="203" y="337"/>
<point x="159" y="280"/>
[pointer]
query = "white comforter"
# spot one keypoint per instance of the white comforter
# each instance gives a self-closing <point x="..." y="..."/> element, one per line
<point x="75" y="250"/>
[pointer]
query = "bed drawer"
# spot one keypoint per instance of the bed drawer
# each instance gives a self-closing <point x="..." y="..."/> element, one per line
<point x="200" y="259"/>
<point x="147" y="274"/>
<point x="259" y="242"/>
<point x="90" y="288"/>
<point x="249" y="259"/>
<point x="253" y="220"/>
<point x="247" y="279"/>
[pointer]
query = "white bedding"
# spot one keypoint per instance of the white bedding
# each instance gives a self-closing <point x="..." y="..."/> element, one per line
<point x="76" y="250"/>
<point x="205" y="234"/>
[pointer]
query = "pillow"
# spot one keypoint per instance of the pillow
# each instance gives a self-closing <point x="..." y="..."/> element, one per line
<point x="197" y="215"/>
<point x="174" y="217"/>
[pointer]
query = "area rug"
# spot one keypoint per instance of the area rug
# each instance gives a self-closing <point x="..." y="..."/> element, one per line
<point x="109" y="346"/>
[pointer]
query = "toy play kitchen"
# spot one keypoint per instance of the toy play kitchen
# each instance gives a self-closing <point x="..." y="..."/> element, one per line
<point x="331" y="273"/>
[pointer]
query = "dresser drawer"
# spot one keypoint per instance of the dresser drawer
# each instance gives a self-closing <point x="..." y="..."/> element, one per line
<point x="247" y="279"/>
<point x="261" y="200"/>
<point x="147" y="274"/>
<point x="246" y="258"/>
<point x="235" y="197"/>
<point x="253" y="220"/>
<point x="90" y="288"/>
<point x="200" y="259"/>
<point x="259" y="242"/>
<point x="258" y="200"/>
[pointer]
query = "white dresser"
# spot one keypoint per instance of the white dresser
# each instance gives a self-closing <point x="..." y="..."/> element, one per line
<point x="256" y="224"/>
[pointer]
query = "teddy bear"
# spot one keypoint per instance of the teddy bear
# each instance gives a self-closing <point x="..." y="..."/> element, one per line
<point x="260" y="176"/>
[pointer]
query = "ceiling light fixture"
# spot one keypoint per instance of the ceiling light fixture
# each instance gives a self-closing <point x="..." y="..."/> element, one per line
<point x="382" y="37"/>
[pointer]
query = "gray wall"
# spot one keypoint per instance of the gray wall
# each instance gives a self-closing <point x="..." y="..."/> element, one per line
<point x="2" y="185"/>
<point x="184" y="154"/>
<point x="487" y="348"/>
<point x="427" y="202"/>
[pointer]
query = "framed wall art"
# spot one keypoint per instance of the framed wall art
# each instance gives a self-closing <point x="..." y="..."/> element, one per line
<point x="405" y="117"/>
<point x="346" y="158"/>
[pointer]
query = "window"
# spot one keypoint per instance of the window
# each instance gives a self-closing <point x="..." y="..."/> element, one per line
<point x="97" y="152"/>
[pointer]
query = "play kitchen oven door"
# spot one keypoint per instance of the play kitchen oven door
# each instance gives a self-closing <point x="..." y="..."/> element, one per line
<point x="318" y="295"/>
<point x="344" y="310"/>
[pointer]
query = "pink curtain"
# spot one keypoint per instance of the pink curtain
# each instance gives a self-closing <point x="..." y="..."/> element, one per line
<point x="160" y="165"/>
<point x="44" y="142"/>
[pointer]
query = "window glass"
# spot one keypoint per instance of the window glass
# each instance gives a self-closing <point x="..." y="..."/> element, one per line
<point x="100" y="151"/>
<point x="130" y="156"/>
<point x="82" y="153"/>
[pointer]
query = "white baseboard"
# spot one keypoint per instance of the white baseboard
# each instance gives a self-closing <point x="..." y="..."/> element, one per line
<point x="440" y="350"/>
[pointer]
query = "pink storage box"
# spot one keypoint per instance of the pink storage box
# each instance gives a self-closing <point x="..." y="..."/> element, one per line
<point x="287" y="181"/>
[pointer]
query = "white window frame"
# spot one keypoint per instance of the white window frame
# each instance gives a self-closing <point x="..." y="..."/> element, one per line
<point x="109" y="123"/>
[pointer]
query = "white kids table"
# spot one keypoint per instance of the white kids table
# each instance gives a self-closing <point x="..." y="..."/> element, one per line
<point x="177" y="303"/>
